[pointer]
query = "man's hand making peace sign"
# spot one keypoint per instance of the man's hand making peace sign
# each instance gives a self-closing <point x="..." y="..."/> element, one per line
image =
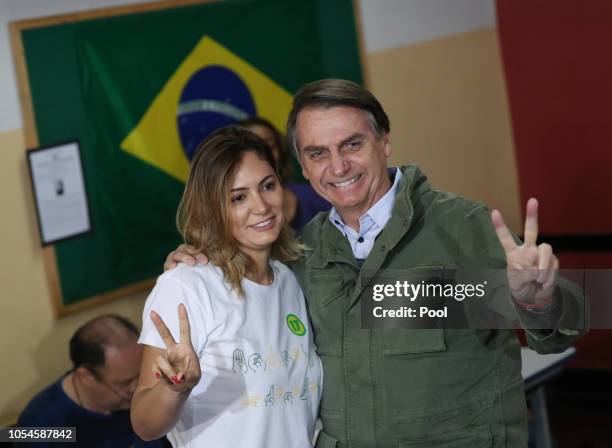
<point x="532" y="269"/>
<point x="178" y="366"/>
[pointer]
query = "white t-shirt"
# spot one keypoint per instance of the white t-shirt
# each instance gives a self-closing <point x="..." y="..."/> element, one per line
<point x="261" y="378"/>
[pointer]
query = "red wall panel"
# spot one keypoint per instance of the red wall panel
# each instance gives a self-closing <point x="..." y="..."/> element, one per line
<point x="557" y="56"/>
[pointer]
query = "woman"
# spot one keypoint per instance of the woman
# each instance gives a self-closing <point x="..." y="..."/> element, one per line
<point x="302" y="203"/>
<point x="229" y="359"/>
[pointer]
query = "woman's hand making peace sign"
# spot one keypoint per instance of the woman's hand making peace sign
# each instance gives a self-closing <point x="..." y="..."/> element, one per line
<point x="179" y="366"/>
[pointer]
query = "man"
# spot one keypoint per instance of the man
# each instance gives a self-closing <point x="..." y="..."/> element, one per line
<point x="393" y="387"/>
<point x="95" y="396"/>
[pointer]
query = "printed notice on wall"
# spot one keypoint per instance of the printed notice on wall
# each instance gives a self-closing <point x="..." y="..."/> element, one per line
<point x="59" y="190"/>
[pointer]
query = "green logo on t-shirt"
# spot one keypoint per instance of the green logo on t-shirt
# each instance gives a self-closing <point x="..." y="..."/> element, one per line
<point x="295" y="325"/>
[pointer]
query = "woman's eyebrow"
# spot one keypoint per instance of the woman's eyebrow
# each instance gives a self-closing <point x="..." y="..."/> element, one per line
<point x="266" y="178"/>
<point x="246" y="188"/>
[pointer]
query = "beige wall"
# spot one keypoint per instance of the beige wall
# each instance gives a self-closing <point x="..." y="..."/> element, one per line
<point x="447" y="103"/>
<point x="33" y="343"/>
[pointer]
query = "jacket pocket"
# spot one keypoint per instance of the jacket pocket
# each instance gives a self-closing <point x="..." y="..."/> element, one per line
<point x="476" y="437"/>
<point x="326" y="306"/>
<point x="326" y="289"/>
<point x="413" y="342"/>
<point x="324" y="440"/>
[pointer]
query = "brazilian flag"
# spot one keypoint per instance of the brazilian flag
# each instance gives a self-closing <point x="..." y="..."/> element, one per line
<point x="140" y="91"/>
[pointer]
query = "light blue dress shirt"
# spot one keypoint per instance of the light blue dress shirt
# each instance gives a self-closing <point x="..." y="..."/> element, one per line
<point x="371" y="223"/>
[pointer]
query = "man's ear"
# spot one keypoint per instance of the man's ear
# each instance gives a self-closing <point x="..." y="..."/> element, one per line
<point x="386" y="140"/>
<point x="85" y="375"/>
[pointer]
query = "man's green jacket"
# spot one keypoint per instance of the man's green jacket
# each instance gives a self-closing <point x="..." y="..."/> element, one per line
<point x="414" y="388"/>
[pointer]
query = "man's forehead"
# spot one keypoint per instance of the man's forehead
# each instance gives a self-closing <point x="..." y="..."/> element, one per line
<point x="316" y="122"/>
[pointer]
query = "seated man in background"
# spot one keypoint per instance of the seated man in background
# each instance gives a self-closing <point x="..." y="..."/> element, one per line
<point x="95" y="396"/>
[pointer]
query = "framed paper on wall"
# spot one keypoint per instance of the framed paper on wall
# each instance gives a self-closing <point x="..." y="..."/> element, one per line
<point x="59" y="192"/>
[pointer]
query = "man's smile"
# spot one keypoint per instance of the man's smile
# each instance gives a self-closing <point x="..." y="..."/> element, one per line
<point x="346" y="183"/>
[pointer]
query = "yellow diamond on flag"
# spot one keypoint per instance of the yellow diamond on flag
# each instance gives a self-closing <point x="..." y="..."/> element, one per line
<point x="156" y="139"/>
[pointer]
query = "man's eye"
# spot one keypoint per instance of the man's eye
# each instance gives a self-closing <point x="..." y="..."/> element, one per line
<point x="354" y="144"/>
<point x="315" y="154"/>
<point x="238" y="198"/>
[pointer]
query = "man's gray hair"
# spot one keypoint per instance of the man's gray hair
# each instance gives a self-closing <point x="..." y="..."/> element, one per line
<point x="328" y="93"/>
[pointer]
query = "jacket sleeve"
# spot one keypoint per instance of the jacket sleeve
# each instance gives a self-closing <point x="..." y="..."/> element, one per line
<point x="560" y="326"/>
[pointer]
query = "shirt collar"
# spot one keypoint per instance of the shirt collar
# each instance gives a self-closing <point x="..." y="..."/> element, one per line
<point x="379" y="213"/>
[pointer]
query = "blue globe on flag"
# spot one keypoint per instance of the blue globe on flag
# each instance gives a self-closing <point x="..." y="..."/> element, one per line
<point x="213" y="97"/>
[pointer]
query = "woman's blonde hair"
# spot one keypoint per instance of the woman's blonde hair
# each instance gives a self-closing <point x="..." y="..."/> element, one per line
<point x="203" y="216"/>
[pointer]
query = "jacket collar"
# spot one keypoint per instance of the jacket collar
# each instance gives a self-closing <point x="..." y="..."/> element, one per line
<point x="331" y="246"/>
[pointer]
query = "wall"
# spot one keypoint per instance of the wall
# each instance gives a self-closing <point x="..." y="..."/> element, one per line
<point x="435" y="66"/>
